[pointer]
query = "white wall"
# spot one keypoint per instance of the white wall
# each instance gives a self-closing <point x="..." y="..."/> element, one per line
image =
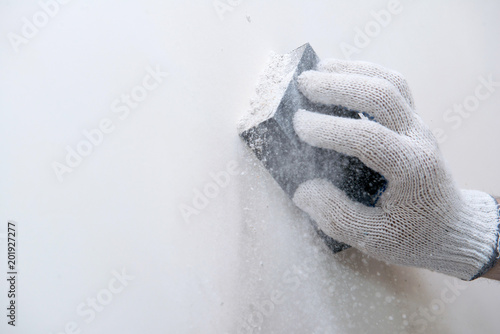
<point x="119" y="209"/>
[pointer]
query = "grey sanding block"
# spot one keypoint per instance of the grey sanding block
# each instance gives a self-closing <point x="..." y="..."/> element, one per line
<point x="268" y="131"/>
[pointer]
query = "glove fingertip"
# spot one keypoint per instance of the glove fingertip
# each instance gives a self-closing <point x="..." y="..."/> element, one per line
<point x="307" y="80"/>
<point x="300" y="121"/>
<point x="332" y="65"/>
<point x="306" y="125"/>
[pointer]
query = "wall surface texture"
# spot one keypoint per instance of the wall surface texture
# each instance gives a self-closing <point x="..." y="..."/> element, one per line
<point x="138" y="208"/>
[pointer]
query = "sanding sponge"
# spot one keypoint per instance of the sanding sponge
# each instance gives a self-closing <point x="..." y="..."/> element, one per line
<point x="268" y="131"/>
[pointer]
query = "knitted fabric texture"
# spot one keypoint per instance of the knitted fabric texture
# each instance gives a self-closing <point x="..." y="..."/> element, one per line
<point x="422" y="219"/>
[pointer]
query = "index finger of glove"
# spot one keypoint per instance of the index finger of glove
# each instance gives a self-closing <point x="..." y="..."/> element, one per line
<point x="370" y="70"/>
<point x="373" y="96"/>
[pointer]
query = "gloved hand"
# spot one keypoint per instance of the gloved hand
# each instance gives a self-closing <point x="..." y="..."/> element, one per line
<point x="422" y="219"/>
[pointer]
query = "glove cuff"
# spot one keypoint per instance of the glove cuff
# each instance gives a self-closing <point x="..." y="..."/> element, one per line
<point x="476" y="237"/>
<point x="496" y="251"/>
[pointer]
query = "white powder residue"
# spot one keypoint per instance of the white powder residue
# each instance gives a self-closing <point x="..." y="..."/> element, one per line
<point x="270" y="89"/>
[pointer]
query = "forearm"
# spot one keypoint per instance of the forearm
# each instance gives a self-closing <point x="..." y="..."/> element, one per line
<point x="493" y="273"/>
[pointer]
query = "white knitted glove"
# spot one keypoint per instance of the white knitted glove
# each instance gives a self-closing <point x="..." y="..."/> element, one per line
<point x="422" y="219"/>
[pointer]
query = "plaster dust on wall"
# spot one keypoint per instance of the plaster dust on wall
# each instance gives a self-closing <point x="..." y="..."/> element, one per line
<point x="291" y="282"/>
